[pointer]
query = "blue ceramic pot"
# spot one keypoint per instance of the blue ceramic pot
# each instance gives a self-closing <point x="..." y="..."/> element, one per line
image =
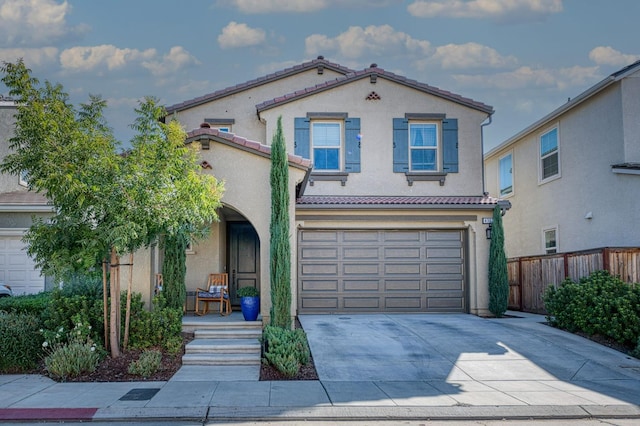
<point x="250" y="307"/>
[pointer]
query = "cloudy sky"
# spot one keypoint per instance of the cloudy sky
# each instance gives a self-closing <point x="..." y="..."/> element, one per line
<point x="523" y="57"/>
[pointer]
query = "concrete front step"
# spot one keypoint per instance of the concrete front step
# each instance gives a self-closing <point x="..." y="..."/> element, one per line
<point x="220" y="359"/>
<point x="228" y="333"/>
<point x="190" y="325"/>
<point x="224" y="346"/>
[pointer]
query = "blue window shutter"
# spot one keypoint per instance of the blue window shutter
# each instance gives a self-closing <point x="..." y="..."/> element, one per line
<point x="400" y="145"/>
<point x="301" y="144"/>
<point x="352" y="145"/>
<point x="450" y="145"/>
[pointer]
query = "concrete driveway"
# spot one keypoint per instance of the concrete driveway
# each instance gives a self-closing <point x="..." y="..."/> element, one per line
<point x="443" y="355"/>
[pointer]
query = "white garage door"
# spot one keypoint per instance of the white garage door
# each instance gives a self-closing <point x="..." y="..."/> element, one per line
<point x="17" y="269"/>
<point x="381" y="271"/>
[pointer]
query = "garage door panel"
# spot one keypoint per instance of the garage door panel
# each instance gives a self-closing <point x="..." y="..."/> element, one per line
<point x="402" y="268"/>
<point x="403" y="303"/>
<point x="320" y="303"/>
<point x="445" y="285"/>
<point x="381" y="270"/>
<point x="410" y="237"/>
<point x="320" y="253"/>
<point x="360" y="236"/>
<point x="402" y="285"/>
<point x="361" y="285"/>
<point x="319" y="236"/>
<point x="319" y="269"/>
<point x="402" y="253"/>
<point x="361" y="269"/>
<point x="355" y="303"/>
<point x="362" y="253"/>
<point x="454" y="253"/>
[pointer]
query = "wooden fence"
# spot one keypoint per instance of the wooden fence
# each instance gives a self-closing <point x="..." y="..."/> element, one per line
<point x="530" y="276"/>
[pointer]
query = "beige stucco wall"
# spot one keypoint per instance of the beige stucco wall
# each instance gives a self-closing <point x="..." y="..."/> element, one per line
<point x="376" y="121"/>
<point x="591" y="139"/>
<point x="242" y="106"/>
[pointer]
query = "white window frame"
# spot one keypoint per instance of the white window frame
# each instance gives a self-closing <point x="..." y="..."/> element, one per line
<point x="22" y="179"/>
<point x="437" y="148"/>
<point x="556" y="248"/>
<point x="340" y="146"/>
<point x="511" y="192"/>
<point x="541" y="157"/>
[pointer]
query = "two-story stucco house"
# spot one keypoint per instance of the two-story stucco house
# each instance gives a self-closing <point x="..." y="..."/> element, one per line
<point x="385" y="185"/>
<point x="17" y="207"/>
<point x="573" y="177"/>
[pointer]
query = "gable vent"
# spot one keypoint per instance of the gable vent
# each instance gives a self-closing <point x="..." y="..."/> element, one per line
<point x="373" y="96"/>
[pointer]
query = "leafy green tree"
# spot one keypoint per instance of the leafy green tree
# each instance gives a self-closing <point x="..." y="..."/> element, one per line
<point x="498" y="277"/>
<point x="105" y="203"/>
<point x="174" y="270"/>
<point x="279" y="243"/>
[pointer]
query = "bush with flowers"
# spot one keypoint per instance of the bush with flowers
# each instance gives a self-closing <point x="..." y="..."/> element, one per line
<point x="71" y="353"/>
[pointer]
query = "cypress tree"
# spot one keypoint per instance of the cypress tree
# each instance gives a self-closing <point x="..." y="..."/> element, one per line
<point x="498" y="277"/>
<point x="174" y="270"/>
<point x="280" y="249"/>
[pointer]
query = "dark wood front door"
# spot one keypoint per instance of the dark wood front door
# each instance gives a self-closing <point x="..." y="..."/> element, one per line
<point x="244" y="258"/>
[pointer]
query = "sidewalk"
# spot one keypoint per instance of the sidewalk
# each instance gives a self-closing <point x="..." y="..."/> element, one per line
<point x="32" y="397"/>
<point x="605" y="386"/>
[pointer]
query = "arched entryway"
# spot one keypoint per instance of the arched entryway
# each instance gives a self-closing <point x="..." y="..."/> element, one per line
<point x="243" y="257"/>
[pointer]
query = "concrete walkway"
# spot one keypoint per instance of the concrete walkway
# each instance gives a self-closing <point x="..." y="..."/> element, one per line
<point x="408" y="367"/>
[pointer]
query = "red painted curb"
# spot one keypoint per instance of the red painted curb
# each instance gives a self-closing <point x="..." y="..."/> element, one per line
<point x="47" y="413"/>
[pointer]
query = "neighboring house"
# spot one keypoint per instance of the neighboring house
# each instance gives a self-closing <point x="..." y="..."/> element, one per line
<point x="17" y="207"/>
<point x="386" y="191"/>
<point x="573" y="177"/>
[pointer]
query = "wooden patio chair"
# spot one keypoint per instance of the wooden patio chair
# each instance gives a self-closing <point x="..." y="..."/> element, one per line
<point x="217" y="291"/>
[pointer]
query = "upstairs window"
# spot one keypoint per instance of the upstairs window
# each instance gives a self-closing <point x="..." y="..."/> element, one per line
<point x="423" y="143"/>
<point x="549" y="158"/>
<point x="506" y="175"/>
<point x="327" y="145"/>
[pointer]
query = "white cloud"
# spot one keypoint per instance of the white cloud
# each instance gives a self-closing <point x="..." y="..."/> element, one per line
<point x="240" y="35"/>
<point x="268" y="6"/>
<point x="32" y="56"/>
<point x="87" y="58"/>
<point x="496" y="9"/>
<point x="602" y="55"/>
<point x="177" y="59"/>
<point x="34" y="22"/>
<point x="530" y="78"/>
<point x="356" y="42"/>
<point x="471" y="55"/>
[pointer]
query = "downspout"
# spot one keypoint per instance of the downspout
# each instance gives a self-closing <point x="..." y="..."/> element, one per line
<point x="486" y="123"/>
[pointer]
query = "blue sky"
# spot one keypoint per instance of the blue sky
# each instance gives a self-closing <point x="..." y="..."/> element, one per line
<point x="523" y="57"/>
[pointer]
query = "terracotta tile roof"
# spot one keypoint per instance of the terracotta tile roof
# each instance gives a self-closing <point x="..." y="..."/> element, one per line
<point x="374" y="72"/>
<point x="470" y="201"/>
<point x="319" y="63"/>
<point x="205" y="133"/>
<point x="22" y="198"/>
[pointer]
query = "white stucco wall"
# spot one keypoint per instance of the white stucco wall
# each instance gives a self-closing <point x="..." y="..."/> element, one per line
<point x="591" y="139"/>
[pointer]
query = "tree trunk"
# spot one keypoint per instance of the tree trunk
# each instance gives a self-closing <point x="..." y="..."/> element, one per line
<point x="114" y="333"/>
<point x="128" y="311"/>
<point x="105" y="305"/>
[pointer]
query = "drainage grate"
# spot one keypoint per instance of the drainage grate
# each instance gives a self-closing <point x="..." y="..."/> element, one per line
<point x="143" y="394"/>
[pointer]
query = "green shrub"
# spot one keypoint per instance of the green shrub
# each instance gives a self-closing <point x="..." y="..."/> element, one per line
<point x="599" y="304"/>
<point x="73" y="352"/>
<point x="636" y="351"/>
<point x="34" y="304"/>
<point x="285" y="349"/>
<point x="21" y="342"/>
<point x="64" y="305"/>
<point x="161" y="327"/>
<point x="147" y="364"/>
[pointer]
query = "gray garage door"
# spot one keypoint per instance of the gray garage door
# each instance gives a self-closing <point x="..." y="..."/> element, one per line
<point x="381" y="271"/>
